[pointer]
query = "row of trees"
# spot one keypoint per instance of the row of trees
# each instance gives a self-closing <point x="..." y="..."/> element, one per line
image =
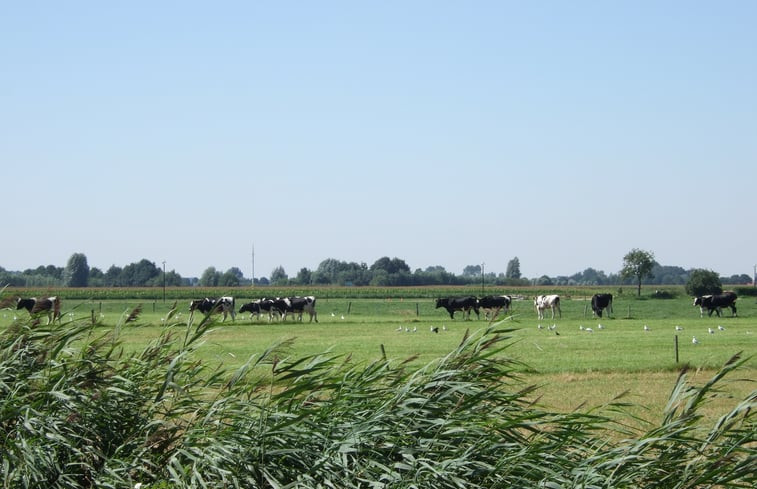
<point x="638" y="266"/>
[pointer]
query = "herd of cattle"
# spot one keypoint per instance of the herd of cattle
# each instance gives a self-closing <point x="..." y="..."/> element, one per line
<point x="281" y="307"/>
<point x="493" y="304"/>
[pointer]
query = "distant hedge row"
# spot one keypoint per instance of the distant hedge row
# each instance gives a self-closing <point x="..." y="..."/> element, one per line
<point x="185" y="293"/>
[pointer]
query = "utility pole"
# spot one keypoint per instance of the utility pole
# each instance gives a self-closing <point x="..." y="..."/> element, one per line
<point x="164" y="281"/>
<point x="482" y="278"/>
<point x="253" y="264"/>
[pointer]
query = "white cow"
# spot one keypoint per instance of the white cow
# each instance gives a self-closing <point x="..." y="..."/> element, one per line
<point x="542" y="302"/>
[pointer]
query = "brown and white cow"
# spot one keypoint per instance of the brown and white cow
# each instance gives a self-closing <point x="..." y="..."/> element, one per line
<point x="37" y="307"/>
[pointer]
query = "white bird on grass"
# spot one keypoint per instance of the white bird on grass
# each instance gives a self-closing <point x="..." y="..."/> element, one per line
<point x="599" y="326"/>
<point x="694" y="340"/>
<point x="710" y="330"/>
<point x="679" y="328"/>
<point x="646" y="328"/>
<point x="540" y="327"/>
<point x="399" y="328"/>
<point x="588" y="330"/>
<point x="721" y="328"/>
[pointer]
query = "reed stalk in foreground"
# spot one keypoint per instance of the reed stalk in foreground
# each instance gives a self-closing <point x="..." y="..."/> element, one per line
<point x="76" y="411"/>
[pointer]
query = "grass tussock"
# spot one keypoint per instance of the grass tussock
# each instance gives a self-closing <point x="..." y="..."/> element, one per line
<point x="77" y="411"/>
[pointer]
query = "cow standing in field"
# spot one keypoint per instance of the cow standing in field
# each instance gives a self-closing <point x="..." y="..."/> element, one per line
<point x="494" y="304"/>
<point x="710" y="303"/>
<point x="295" y="306"/>
<point x="543" y="302"/>
<point x="600" y="302"/>
<point x="37" y="307"/>
<point x="252" y="307"/>
<point x="298" y="305"/>
<point x="224" y="305"/>
<point x="453" y="304"/>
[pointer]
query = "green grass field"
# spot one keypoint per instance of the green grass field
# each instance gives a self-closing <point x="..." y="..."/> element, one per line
<point x="573" y="366"/>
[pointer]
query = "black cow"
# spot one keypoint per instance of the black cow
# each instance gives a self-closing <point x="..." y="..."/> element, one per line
<point x="711" y="303"/>
<point x="37" y="307"/>
<point x="494" y="303"/>
<point x="599" y="302"/>
<point x="452" y="304"/>
<point x="206" y="306"/>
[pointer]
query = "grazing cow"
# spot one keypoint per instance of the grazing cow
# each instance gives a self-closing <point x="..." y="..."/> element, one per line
<point x="464" y="304"/>
<point x="494" y="303"/>
<point x="599" y="302"/>
<point x="253" y="308"/>
<point x="543" y="302"/>
<point x="298" y="305"/>
<point x="710" y="303"/>
<point x="207" y="306"/>
<point x="294" y="306"/>
<point x="37" y="307"/>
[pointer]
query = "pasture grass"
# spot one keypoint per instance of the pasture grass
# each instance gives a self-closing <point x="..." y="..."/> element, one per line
<point x="78" y="411"/>
<point x="572" y="367"/>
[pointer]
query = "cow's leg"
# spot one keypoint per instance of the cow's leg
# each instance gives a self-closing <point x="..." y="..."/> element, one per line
<point x="733" y="310"/>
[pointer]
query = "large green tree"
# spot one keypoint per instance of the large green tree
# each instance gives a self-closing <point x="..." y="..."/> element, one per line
<point x="76" y="273"/>
<point x="638" y="264"/>
<point x="513" y="268"/>
<point x="703" y="282"/>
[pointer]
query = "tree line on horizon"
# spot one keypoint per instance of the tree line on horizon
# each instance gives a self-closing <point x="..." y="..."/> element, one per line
<point x="383" y="272"/>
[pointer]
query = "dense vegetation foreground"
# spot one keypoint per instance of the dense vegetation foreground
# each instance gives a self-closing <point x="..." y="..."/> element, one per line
<point x="77" y="411"/>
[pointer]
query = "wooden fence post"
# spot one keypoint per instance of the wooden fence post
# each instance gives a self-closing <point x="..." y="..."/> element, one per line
<point x="676" y="343"/>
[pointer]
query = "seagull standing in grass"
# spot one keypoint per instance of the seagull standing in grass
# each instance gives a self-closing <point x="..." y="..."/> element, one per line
<point x="721" y="328"/>
<point x="646" y="328"/>
<point x="710" y="330"/>
<point x="694" y="340"/>
<point x="679" y="328"/>
<point x="599" y="326"/>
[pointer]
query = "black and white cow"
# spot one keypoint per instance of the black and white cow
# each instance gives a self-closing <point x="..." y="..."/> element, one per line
<point x="453" y="304"/>
<point x="37" y="307"/>
<point x="543" y="302"/>
<point x="304" y="304"/>
<point x="710" y="303"/>
<point x="494" y="304"/>
<point x="295" y="306"/>
<point x="254" y="308"/>
<point x="224" y="305"/>
<point x="600" y="302"/>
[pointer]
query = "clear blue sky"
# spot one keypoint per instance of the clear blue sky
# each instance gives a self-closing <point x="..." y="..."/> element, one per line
<point x="441" y="133"/>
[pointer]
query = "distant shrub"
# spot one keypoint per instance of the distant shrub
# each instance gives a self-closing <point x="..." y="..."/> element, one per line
<point x="663" y="294"/>
<point x="746" y="291"/>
